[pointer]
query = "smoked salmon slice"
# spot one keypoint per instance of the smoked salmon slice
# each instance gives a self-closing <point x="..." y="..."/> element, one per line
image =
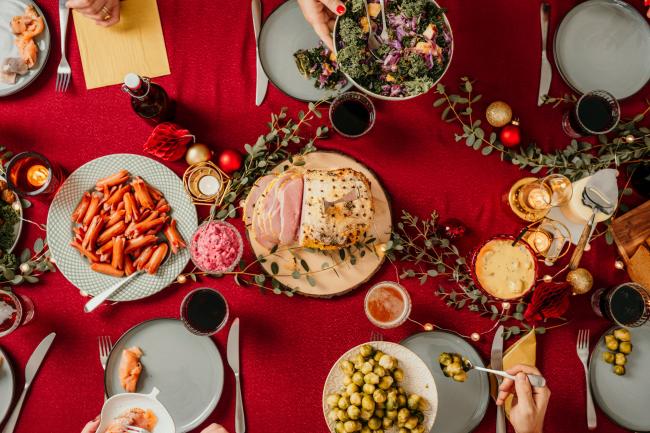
<point x="130" y="368"/>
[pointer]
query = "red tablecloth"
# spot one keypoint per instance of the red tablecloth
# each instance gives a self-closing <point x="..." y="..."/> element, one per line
<point x="289" y="345"/>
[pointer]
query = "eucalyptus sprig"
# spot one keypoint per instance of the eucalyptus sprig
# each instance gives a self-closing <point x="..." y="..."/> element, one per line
<point x="271" y="149"/>
<point x="426" y="254"/>
<point x="628" y="144"/>
<point x="28" y="267"/>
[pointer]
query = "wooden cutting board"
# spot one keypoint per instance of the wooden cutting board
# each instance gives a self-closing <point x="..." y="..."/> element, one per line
<point x="631" y="230"/>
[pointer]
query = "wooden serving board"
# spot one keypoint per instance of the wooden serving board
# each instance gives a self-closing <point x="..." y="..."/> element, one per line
<point x="344" y="277"/>
<point x="631" y="230"/>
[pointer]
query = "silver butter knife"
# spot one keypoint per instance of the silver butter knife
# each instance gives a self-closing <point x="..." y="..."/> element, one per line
<point x="547" y="72"/>
<point x="233" y="361"/>
<point x="31" y="369"/>
<point x="496" y="362"/>
<point x="262" y="80"/>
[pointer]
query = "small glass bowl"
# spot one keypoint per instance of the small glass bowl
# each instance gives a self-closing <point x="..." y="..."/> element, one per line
<point x="240" y="251"/>
<point x="402" y="317"/>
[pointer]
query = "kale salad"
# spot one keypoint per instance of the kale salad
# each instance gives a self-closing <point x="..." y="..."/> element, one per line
<point x="320" y="63"/>
<point x="411" y="61"/>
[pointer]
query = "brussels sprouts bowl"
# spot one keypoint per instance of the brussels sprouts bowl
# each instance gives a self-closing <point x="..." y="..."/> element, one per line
<point x="411" y="62"/>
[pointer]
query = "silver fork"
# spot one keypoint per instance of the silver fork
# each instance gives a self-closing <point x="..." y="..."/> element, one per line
<point x="376" y="336"/>
<point x="373" y="41"/>
<point x="105" y="347"/>
<point x="63" y="72"/>
<point x="134" y="429"/>
<point x="582" y="347"/>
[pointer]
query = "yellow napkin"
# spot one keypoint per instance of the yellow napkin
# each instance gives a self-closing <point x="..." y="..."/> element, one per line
<point x="135" y="44"/>
<point x="523" y="351"/>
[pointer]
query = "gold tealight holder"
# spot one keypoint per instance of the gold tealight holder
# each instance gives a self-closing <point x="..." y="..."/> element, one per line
<point x="206" y="183"/>
<point x="549" y="239"/>
<point x="514" y="200"/>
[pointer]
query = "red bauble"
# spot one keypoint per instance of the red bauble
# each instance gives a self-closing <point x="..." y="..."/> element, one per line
<point x="230" y="161"/>
<point x="510" y="135"/>
<point x="550" y="300"/>
<point x="168" y="141"/>
<point x="454" y="229"/>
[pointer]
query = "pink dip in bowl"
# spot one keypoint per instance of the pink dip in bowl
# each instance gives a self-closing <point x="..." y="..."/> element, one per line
<point x="216" y="247"/>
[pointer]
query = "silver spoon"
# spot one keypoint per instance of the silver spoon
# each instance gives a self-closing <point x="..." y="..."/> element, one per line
<point x="535" y="380"/>
<point x="593" y="198"/>
<point x="384" y="30"/>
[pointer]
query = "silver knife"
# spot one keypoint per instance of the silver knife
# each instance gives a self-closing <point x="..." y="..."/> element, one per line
<point x="496" y="362"/>
<point x="547" y="72"/>
<point x="262" y="79"/>
<point x="233" y="361"/>
<point x="30" y="372"/>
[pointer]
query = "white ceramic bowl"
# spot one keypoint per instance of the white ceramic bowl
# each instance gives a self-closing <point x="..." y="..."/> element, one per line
<point x="400" y="98"/>
<point x="120" y="403"/>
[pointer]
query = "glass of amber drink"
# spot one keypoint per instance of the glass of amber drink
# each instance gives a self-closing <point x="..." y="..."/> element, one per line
<point x="387" y="305"/>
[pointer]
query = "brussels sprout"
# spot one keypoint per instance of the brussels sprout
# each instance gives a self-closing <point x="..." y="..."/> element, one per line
<point x="413" y="401"/>
<point x="332" y="415"/>
<point x="622" y="334"/>
<point x="367" y="403"/>
<point x="619" y="369"/>
<point x="611" y="343"/>
<point x="403" y="415"/>
<point x="380" y="371"/>
<point x="411" y="423"/>
<point x="374" y="423"/>
<point x="423" y="405"/>
<point x="352" y="426"/>
<point x="347" y="380"/>
<point x="625" y="347"/>
<point x="354" y="412"/>
<point x="401" y="400"/>
<point x="386" y="423"/>
<point x="380" y="406"/>
<point x="386" y="382"/>
<point x="366" y="350"/>
<point x="358" y="361"/>
<point x="456" y="358"/>
<point x="453" y="369"/>
<point x="368" y="388"/>
<point x="391" y="400"/>
<point x="343" y="403"/>
<point x="345" y="394"/>
<point x="339" y="428"/>
<point x="398" y="374"/>
<point x="620" y="359"/>
<point x="608" y="357"/>
<point x="371" y="378"/>
<point x="445" y="359"/>
<point x="355" y="398"/>
<point x="357" y="378"/>
<point x="391" y="414"/>
<point x="366" y="414"/>
<point x="460" y="377"/>
<point x="347" y="367"/>
<point x="378" y="355"/>
<point x="342" y="415"/>
<point x="379" y="413"/>
<point x="388" y="362"/>
<point x="366" y="429"/>
<point x="366" y="368"/>
<point x="419" y="429"/>
<point x="403" y="430"/>
<point x="379" y="396"/>
<point x="352" y="388"/>
<point x="333" y="400"/>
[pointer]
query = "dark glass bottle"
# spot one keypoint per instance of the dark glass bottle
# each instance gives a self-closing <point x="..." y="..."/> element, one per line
<point x="149" y="100"/>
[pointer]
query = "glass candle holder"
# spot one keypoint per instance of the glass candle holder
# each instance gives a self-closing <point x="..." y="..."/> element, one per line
<point x="32" y="174"/>
<point x="543" y="194"/>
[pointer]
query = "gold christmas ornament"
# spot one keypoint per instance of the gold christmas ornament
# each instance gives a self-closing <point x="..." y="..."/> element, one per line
<point x="581" y="281"/>
<point x="475" y="336"/>
<point x="428" y="327"/>
<point x="197" y="153"/>
<point x="498" y="114"/>
<point x="629" y="138"/>
<point x="619" y="264"/>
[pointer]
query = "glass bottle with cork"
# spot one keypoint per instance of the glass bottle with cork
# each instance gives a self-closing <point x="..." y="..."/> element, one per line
<point x="149" y="100"/>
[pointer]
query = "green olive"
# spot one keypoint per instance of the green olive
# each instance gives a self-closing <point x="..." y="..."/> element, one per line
<point x="367" y="403"/>
<point x="608" y="357"/>
<point x="366" y="350"/>
<point x="343" y="403"/>
<point x="398" y="374"/>
<point x="622" y="334"/>
<point x="619" y="370"/>
<point x="625" y="347"/>
<point x="354" y="412"/>
<point x="620" y="359"/>
<point x="371" y="378"/>
<point x="357" y="378"/>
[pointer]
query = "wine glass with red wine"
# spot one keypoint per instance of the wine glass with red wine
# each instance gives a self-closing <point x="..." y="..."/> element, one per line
<point x="595" y="113"/>
<point x="204" y="311"/>
<point x="626" y="305"/>
<point x="352" y="114"/>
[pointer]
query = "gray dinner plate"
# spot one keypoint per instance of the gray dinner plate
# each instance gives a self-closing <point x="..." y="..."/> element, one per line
<point x="7" y="386"/>
<point x="624" y="399"/>
<point x="186" y="368"/>
<point x="604" y="45"/>
<point x="9" y="9"/>
<point x="284" y="32"/>
<point x="461" y="406"/>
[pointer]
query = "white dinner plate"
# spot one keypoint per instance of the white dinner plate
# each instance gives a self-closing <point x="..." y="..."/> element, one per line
<point x="186" y="368"/>
<point x="7" y="385"/>
<point x="604" y="45"/>
<point x="624" y="399"/>
<point x="59" y="225"/>
<point x="9" y="9"/>
<point x="284" y="32"/>
<point x="463" y="404"/>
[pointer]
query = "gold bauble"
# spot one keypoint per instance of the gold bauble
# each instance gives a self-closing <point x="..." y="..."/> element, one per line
<point x="581" y="281"/>
<point x="198" y="153"/>
<point x="498" y="114"/>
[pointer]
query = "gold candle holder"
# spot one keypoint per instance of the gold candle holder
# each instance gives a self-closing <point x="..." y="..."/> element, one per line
<point x="514" y="200"/>
<point x="206" y="183"/>
<point x="549" y="239"/>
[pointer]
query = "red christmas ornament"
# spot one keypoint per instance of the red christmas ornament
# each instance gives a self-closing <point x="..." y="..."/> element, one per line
<point x="230" y="161"/>
<point x="510" y="135"/>
<point x="550" y="300"/>
<point x="454" y="229"/>
<point x="168" y="141"/>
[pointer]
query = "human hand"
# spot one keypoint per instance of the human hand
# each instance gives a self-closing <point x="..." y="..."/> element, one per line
<point x="321" y="14"/>
<point x="214" y="428"/>
<point x="103" y="12"/>
<point x="92" y="426"/>
<point x="528" y="403"/>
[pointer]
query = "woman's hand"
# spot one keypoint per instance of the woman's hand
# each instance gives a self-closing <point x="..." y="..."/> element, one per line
<point x="321" y="14"/>
<point x="214" y="428"/>
<point x="528" y="404"/>
<point x="91" y="427"/>
<point x="104" y="12"/>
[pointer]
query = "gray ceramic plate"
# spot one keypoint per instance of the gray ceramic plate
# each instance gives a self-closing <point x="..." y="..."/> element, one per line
<point x="604" y="45"/>
<point x="8" y="10"/>
<point x="7" y="385"/>
<point x="59" y="226"/>
<point x="461" y="406"/>
<point x="283" y="33"/>
<point x="624" y="398"/>
<point x="186" y="368"/>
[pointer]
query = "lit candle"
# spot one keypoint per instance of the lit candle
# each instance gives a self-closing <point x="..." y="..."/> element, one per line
<point x="539" y="198"/>
<point x="540" y="241"/>
<point x="209" y="185"/>
<point x="37" y="175"/>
